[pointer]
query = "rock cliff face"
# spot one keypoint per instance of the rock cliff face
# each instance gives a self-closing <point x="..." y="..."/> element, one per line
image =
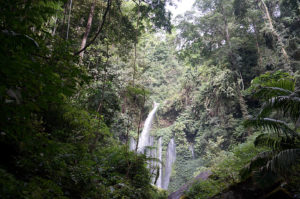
<point x="177" y="194"/>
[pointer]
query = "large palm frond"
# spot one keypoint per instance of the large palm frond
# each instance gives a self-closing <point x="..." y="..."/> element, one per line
<point x="267" y="90"/>
<point x="270" y="91"/>
<point x="278" y="95"/>
<point x="280" y="163"/>
<point x="278" y="126"/>
<point x="281" y="96"/>
<point x="289" y="105"/>
<point x="274" y="142"/>
<point x="283" y="162"/>
<point x="287" y="83"/>
<point x="258" y="162"/>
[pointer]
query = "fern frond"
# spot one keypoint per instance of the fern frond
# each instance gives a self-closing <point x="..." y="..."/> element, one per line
<point x="279" y="94"/>
<point x="284" y="83"/>
<point x="269" y="92"/>
<point x="277" y="126"/>
<point x="256" y="163"/>
<point x="289" y="105"/>
<point x="274" y="142"/>
<point x="282" y="162"/>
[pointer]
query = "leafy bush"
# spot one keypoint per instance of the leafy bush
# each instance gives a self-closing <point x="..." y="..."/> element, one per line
<point x="225" y="168"/>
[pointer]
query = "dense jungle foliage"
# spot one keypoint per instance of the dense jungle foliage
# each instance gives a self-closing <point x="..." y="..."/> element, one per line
<point x="79" y="77"/>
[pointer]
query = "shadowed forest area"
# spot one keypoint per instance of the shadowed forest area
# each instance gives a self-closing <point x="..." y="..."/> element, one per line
<point x="118" y="99"/>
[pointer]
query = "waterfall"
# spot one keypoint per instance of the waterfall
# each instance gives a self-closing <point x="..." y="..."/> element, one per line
<point x="170" y="159"/>
<point x="132" y="144"/>
<point x="191" y="148"/>
<point x="147" y="140"/>
<point x="159" y="156"/>
<point x="144" y="137"/>
<point x="149" y="152"/>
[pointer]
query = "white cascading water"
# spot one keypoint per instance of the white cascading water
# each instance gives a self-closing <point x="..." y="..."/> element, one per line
<point x="191" y="148"/>
<point x="149" y="152"/>
<point x="170" y="159"/>
<point x="159" y="156"/>
<point x="144" y="137"/>
<point x="132" y="144"/>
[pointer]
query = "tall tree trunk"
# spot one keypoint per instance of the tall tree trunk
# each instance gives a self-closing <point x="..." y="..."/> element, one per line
<point x="55" y="26"/>
<point x="242" y="103"/>
<point x="64" y="20"/>
<point x="134" y="66"/>
<point x="88" y="28"/>
<point x="98" y="32"/>
<point x="69" y="18"/>
<point x="140" y="120"/>
<point x="136" y="35"/>
<point x="277" y="36"/>
<point x="260" y="62"/>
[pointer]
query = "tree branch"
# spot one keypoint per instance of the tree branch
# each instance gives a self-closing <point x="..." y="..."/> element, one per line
<point x="99" y="31"/>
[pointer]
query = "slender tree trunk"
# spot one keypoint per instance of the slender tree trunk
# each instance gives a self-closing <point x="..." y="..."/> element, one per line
<point x="260" y="62"/>
<point x="88" y="28"/>
<point x="64" y="20"/>
<point x="278" y="37"/>
<point x="134" y="66"/>
<point x="55" y="26"/>
<point x="242" y="102"/>
<point x="140" y="120"/>
<point x="227" y="33"/>
<point x="138" y="129"/>
<point x="136" y="35"/>
<point x="69" y="18"/>
<point x="98" y="32"/>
